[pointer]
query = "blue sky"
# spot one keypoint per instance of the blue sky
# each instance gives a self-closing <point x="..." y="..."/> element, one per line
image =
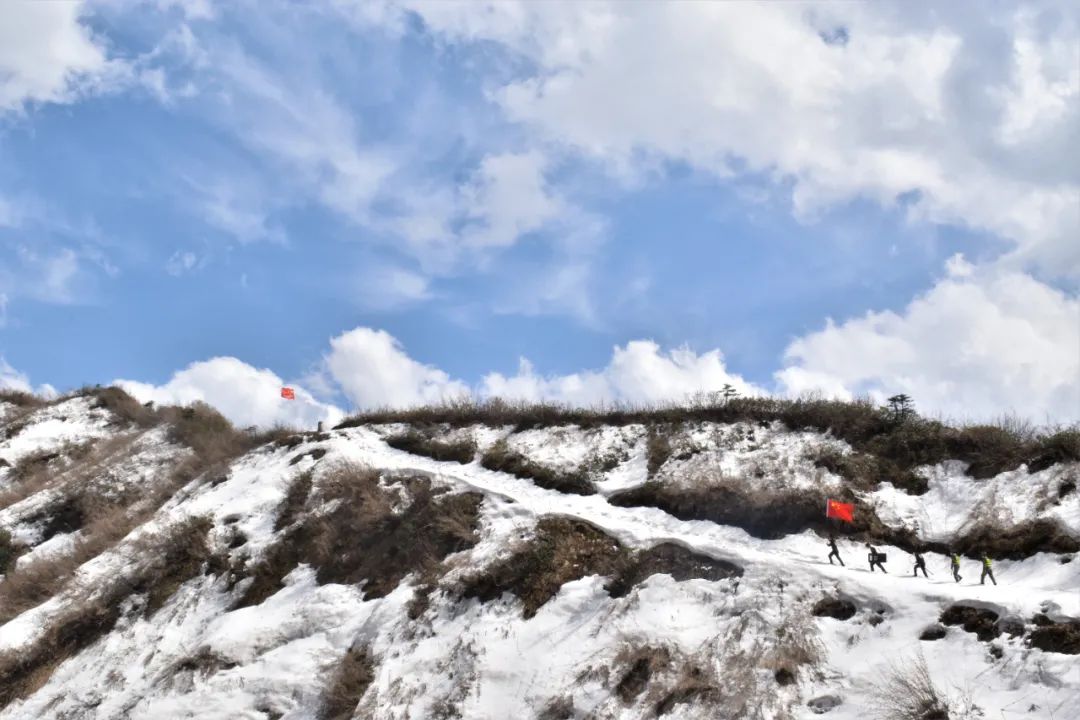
<point x="466" y="186"/>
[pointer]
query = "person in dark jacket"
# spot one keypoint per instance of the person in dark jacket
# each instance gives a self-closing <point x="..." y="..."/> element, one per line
<point x="833" y="551"/>
<point x="875" y="558"/>
<point x="955" y="565"/>
<point x="920" y="564"/>
<point x="987" y="571"/>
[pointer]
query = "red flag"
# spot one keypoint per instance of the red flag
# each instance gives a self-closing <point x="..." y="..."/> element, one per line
<point x="840" y="511"/>
<point x="288" y="393"/>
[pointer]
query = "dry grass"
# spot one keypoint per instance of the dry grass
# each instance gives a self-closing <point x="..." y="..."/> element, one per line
<point x="366" y="537"/>
<point x="163" y="563"/>
<point x="419" y="443"/>
<point x="22" y="399"/>
<point x="562" y="550"/>
<point x="989" y="448"/>
<point x="7" y="551"/>
<point x="908" y="692"/>
<point x="500" y="457"/>
<point x="350" y="681"/>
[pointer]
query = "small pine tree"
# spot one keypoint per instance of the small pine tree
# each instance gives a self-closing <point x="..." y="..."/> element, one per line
<point x="901" y="406"/>
<point x="729" y="392"/>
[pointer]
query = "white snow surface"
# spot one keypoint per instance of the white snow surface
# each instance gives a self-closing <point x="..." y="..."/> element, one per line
<point x="463" y="658"/>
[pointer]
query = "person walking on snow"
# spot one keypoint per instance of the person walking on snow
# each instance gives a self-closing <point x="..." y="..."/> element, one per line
<point x="834" y="552"/>
<point x="987" y="570"/>
<point x="955" y="566"/>
<point x="875" y="558"/>
<point x="920" y="564"/>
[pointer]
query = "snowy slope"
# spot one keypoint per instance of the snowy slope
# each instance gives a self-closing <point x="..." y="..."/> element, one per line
<point x="701" y="648"/>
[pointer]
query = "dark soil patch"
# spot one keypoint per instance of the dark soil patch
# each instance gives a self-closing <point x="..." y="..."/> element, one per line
<point x="502" y="459"/>
<point x="980" y="621"/>
<point x="350" y="681"/>
<point x="934" y="632"/>
<point x="672" y="559"/>
<point x="834" y="607"/>
<point x="1055" y="637"/>
<point x="364" y="540"/>
<point x="418" y="443"/>
<point x="784" y="677"/>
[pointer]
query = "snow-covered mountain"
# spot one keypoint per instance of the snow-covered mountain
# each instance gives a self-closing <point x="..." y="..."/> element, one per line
<point x="160" y="564"/>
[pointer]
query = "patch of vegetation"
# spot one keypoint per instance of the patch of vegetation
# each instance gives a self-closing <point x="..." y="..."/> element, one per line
<point x="7" y="551"/>
<point x="564" y="549"/>
<point x="366" y="537"/>
<point x="658" y="448"/>
<point x="295" y="498"/>
<point x="693" y="685"/>
<point x="641" y="664"/>
<point x="908" y="692"/>
<point x="164" y="563"/>
<point x="418" y="443"/>
<point x="500" y="457"/>
<point x="350" y="681"/>
<point x="868" y="428"/>
<point x="670" y="559"/>
<point x="763" y="515"/>
<point x="21" y="399"/>
<point x="561" y="551"/>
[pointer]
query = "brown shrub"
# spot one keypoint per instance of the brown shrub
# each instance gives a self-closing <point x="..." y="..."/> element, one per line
<point x="670" y="559"/>
<point x="657" y="448"/>
<point x="501" y="458"/>
<point x="363" y="538"/>
<point x="641" y="664"/>
<point x="7" y="551"/>
<point x="350" y="681"/>
<point x="161" y="564"/>
<point x="562" y="550"/>
<point x="295" y="499"/>
<point x="917" y="441"/>
<point x="122" y="405"/>
<point x="695" y="684"/>
<point x="462" y="451"/>
<point x="763" y="515"/>
<point x="21" y="399"/>
<point x="834" y="607"/>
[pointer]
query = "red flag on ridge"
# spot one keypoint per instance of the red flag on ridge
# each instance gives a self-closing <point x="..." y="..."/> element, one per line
<point x="839" y="510"/>
<point x="288" y="393"/>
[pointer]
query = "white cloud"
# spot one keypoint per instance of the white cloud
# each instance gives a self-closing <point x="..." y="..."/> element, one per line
<point x="972" y="115"/>
<point x="182" y="262"/>
<point x="373" y="370"/>
<point x="389" y="288"/>
<point x="975" y="346"/>
<point x="12" y="379"/>
<point x="508" y="198"/>
<point x="47" y="55"/>
<point x="638" y="373"/>
<point x="244" y="394"/>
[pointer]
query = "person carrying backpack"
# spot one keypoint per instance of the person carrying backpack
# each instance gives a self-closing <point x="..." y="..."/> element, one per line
<point x="875" y="558"/>
<point x="834" y="552"/>
<point x="987" y="571"/>
<point x="955" y="565"/>
<point x="920" y="564"/>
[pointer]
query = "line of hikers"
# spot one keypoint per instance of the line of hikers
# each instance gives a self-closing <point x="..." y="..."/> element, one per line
<point x="877" y="560"/>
